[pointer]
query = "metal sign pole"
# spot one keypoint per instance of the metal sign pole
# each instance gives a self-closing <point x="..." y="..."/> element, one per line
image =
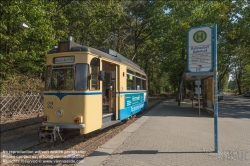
<point x="193" y="96"/>
<point x="199" y="97"/>
<point x="215" y="90"/>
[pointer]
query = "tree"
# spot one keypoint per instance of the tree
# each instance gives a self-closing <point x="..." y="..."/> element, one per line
<point x="151" y="33"/>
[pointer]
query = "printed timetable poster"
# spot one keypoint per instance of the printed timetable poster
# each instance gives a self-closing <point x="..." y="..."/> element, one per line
<point x="209" y="92"/>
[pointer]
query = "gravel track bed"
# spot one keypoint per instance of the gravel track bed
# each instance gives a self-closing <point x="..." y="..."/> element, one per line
<point x="83" y="144"/>
<point x="18" y="121"/>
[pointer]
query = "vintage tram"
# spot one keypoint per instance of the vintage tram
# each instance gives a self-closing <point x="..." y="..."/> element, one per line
<point x="89" y="89"/>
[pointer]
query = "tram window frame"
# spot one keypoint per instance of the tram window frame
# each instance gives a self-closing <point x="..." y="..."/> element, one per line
<point x="94" y="69"/>
<point x="63" y="77"/>
<point x="130" y="80"/>
<point x="130" y="71"/>
<point x="138" y="81"/>
<point x="48" y="75"/>
<point x="81" y="79"/>
<point x="144" y="83"/>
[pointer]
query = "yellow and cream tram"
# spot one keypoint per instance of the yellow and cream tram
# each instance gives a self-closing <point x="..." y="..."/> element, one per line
<point x="89" y="89"/>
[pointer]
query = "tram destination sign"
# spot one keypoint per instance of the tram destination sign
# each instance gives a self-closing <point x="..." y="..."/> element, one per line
<point x="200" y="57"/>
<point x="70" y="59"/>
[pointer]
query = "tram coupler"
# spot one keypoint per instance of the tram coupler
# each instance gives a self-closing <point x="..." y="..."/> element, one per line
<point x="49" y="133"/>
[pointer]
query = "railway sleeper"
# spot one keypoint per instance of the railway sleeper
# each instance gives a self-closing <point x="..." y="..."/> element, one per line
<point x="49" y="133"/>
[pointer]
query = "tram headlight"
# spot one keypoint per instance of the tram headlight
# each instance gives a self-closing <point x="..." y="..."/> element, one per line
<point x="59" y="112"/>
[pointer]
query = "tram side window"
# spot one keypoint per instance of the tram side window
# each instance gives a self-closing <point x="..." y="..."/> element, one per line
<point x="131" y="80"/>
<point x="138" y="81"/>
<point x="94" y="71"/>
<point x="81" y="80"/>
<point x="143" y="83"/>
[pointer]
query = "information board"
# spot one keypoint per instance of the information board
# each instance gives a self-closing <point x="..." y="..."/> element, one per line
<point x="200" y="50"/>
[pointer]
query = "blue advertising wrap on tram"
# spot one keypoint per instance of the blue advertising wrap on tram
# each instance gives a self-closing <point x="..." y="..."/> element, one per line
<point x="134" y="103"/>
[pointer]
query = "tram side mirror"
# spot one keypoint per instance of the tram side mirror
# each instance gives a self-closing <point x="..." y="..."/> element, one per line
<point x="101" y="75"/>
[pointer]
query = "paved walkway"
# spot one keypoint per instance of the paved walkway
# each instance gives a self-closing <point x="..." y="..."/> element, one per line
<point x="178" y="136"/>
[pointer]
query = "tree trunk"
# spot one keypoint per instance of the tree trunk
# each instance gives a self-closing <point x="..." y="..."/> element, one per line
<point x="239" y="87"/>
<point x="239" y="90"/>
<point x="180" y="87"/>
<point x="181" y="77"/>
<point x="185" y="92"/>
<point x="238" y="81"/>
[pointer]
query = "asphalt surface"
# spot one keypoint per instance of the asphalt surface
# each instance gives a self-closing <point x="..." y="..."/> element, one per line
<point x="234" y="107"/>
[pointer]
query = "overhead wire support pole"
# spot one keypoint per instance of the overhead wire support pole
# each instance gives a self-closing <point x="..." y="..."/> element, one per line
<point x="133" y="57"/>
<point x="215" y="89"/>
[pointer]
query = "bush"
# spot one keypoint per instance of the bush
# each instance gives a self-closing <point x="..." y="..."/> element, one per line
<point x="19" y="83"/>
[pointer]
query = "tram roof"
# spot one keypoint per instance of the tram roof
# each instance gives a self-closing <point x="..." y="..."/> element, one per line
<point x="102" y="52"/>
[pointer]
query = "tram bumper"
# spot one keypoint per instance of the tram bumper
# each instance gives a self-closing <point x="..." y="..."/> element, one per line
<point x="48" y="132"/>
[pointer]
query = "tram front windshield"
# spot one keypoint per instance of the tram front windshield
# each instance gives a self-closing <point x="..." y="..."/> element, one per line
<point x="68" y="77"/>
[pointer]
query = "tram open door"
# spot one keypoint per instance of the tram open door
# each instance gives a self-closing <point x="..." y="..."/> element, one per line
<point x="109" y="93"/>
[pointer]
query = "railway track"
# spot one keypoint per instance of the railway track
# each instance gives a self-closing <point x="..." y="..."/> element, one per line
<point x="87" y="143"/>
<point x="92" y="140"/>
<point x="18" y="127"/>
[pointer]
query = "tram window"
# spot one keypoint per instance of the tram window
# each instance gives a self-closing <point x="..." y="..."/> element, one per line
<point x="138" y="81"/>
<point x="143" y="85"/>
<point x="130" y="82"/>
<point x="48" y="78"/>
<point x="94" y="71"/>
<point x="62" y="79"/>
<point x="81" y="80"/>
<point x="144" y="82"/>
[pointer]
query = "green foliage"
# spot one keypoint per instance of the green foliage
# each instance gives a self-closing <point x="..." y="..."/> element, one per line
<point x="22" y="51"/>
<point x="152" y="33"/>
<point x="232" y="85"/>
<point x="20" y="83"/>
